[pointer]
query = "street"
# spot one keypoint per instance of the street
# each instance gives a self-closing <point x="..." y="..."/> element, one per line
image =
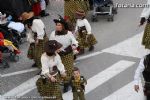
<point x="109" y="69"/>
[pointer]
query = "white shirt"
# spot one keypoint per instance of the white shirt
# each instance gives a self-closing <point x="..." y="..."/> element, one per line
<point x="65" y="40"/>
<point x="48" y="63"/>
<point x="146" y="11"/>
<point x="138" y="72"/>
<point x="30" y="36"/>
<point x="85" y="23"/>
<point x="38" y="27"/>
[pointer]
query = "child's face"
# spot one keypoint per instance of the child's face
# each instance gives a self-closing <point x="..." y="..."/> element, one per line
<point x="76" y="73"/>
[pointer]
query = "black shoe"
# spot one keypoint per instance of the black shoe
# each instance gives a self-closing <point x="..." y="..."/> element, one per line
<point x="34" y="65"/>
<point x="91" y="48"/>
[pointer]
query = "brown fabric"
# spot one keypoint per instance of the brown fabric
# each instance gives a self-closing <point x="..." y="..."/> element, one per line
<point x="146" y="37"/>
<point x="86" y="43"/>
<point x="49" y="89"/>
<point x="71" y="6"/>
<point x="36" y="50"/>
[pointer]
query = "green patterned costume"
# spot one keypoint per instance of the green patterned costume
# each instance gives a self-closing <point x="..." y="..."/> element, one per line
<point x="71" y="6"/>
<point x="78" y="88"/>
<point x="146" y="36"/>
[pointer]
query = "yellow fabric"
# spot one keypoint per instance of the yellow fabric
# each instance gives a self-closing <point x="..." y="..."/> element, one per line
<point x="9" y="43"/>
<point x="77" y="79"/>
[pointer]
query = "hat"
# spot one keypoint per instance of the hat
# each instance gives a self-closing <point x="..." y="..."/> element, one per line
<point x="62" y="21"/>
<point x="51" y="46"/>
<point x="76" y="69"/>
<point x="27" y="15"/>
<point x="80" y="13"/>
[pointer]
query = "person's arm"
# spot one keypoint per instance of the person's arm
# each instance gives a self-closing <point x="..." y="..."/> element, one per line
<point x="88" y="26"/>
<point x="45" y="68"/>
<point x="145" y="14"/>
<point x="73" y="39"/>
<point x="138" y="72"/>
<point x="60" y="66"/>
<point x="146" y="11"/>
<point x="52" y="36"/>
<point x="137" y="75"/>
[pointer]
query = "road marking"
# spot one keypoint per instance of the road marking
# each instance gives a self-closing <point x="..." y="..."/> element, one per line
<point x="130" y="47"/>
<point x="23" y="88"/>
<point x="89" y="55"/>
<point x="127" y="93"/>
<point x="20" y="72"/>
<point x="103" y="77"/>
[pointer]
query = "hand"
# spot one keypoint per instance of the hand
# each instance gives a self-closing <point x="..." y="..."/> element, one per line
<point x="53" y="79"/>
<point x="74" y="47"/>
<point x="64" y="74"/>
<point x="142" y="21"/>
<point x="136" y="88"/>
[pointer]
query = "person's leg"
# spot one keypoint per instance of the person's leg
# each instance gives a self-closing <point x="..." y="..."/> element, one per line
<point x="43" y="8"/>
<point x="81" y="96"/>
<point x="91" y="48"/>
<point x="75" y="96"/>
<point x="68" y="61"/>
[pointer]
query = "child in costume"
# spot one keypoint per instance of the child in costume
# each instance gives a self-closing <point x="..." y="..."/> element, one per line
<point x="78" y="83"/>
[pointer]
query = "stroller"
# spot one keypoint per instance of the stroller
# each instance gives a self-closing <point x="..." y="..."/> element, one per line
<point x="5" y="49"/>
<point x="103" y="7"/>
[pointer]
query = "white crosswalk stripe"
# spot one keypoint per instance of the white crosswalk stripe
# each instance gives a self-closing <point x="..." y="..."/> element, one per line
<point x="131" y="47"/>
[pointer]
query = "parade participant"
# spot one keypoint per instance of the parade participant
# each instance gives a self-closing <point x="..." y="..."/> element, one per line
<point x="38" y="37"/>
<point x="48" y="84"/>
<point x="78" y="83"/>
<point x="145" y="17"/>
<point x="71" y="6"/>
<point x="144" y="67"/>
<point x="69" y="43"/>
<point x="83" y="29"/>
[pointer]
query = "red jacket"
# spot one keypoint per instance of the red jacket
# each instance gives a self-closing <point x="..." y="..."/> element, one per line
<point x="1" y="39"/>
